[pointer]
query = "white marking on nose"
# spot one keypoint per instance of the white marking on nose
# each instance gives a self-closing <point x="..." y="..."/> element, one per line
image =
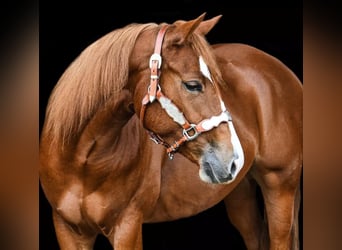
<point x="239" y="161"/>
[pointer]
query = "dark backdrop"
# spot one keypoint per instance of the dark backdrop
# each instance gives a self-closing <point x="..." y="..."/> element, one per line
<point x="66" y="30"/>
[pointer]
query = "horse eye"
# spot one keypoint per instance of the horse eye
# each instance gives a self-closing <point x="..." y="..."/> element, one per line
<point x="193" y="86"/>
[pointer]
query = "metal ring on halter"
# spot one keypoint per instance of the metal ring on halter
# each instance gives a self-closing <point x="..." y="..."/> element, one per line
<point x="170" y="155"/>
<point x="149" y="87"/>
<point x="192" y="129"/>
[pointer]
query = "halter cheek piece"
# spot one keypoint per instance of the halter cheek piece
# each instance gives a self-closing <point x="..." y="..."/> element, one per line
<point x="190" y="131"/>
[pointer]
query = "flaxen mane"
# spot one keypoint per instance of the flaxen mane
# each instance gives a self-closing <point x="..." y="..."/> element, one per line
<point x="98" y="73"/>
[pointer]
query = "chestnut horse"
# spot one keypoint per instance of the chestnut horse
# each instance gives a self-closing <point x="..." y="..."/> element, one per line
<point x="228" y="116"/>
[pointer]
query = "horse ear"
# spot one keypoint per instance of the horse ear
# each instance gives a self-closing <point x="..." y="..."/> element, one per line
<point x="205" y="26"/>
<point x="184" y="28"/>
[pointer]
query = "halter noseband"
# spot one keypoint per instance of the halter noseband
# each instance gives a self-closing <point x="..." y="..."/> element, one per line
<point x="190" y="131"/>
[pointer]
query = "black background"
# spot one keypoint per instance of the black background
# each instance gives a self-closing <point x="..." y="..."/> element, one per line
<point x="66" y="30"/>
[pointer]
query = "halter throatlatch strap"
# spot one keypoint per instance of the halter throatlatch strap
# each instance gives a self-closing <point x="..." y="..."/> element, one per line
<point x="190" y="131"/>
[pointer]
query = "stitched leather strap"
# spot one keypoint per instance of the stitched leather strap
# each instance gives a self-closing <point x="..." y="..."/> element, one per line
<point x="155" y="64"/>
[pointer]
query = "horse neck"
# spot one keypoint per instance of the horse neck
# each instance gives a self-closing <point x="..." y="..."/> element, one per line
<point x="113" y="132"/>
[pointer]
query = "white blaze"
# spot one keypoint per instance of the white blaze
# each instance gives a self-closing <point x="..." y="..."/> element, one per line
<point x="237" y="148"/>
<point x="204" y="69"/>
<point x="213" y="122"/>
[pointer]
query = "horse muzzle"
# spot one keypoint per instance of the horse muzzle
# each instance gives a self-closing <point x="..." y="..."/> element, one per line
<point x="218" y="166"/>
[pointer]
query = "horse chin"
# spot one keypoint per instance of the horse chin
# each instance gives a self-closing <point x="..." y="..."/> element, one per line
<point x="208" y="175"/>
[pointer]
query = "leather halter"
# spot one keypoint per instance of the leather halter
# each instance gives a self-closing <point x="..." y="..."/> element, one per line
<point x="190" y="131"/>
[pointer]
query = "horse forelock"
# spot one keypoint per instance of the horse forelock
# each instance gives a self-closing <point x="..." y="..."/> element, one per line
<point x="100" y="72"/>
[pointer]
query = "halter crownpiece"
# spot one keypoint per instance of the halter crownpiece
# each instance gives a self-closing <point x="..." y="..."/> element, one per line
<point x="155" y="64"/>
<point x="190" y="131"/>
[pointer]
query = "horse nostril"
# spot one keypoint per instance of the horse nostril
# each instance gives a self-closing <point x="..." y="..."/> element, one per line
<point x="233" y="168"/>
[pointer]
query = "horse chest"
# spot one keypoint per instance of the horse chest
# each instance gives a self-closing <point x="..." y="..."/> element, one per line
<point x="69" y="204"/>
<point x="95" y="207"/>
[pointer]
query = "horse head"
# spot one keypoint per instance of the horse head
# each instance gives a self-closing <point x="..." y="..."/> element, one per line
<point x="177" y="97"/>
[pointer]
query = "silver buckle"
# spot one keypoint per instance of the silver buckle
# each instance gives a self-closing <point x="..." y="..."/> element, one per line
<point x="156" y="57"/>
<point x="191" y="129"/>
